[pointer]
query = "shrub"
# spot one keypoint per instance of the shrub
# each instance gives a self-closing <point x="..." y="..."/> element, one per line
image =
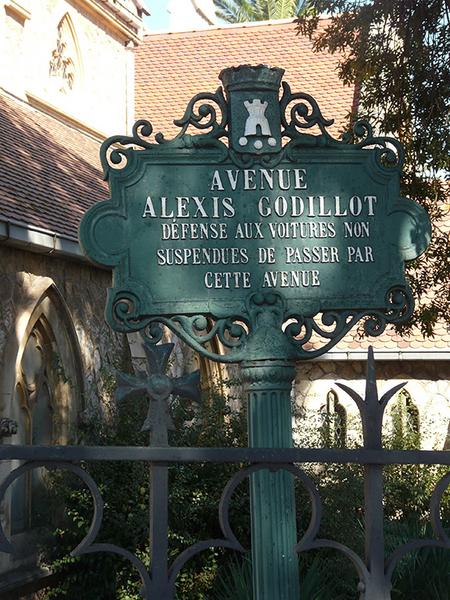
<point x="194" y="493"/>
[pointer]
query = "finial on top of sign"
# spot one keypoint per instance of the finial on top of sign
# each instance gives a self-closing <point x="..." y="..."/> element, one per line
<point x="251" y="76"/>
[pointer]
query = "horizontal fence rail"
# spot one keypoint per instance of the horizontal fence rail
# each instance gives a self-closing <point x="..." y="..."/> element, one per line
<point x="225" y="455"/>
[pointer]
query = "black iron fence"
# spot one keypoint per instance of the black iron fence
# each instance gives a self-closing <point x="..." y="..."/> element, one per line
<point x="374" y="569"/>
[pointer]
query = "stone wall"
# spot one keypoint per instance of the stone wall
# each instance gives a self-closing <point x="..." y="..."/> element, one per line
<point x="70" y="298"/>
<point x="24" y="279"/>
<point x="426" y="382"/>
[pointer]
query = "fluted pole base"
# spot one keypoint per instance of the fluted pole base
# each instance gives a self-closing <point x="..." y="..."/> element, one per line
<point x="274" y="533"/>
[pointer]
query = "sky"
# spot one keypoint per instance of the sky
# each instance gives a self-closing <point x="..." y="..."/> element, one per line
<point x="175" y="14"/>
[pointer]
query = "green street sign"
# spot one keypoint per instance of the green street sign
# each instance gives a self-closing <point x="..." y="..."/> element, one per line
<point x="196" y="226"/>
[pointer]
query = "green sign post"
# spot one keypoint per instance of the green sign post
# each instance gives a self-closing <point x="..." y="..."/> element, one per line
<point x="267" y="245"/>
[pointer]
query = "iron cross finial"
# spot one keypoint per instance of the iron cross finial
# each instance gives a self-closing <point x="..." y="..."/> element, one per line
<point x="157" y="386"/>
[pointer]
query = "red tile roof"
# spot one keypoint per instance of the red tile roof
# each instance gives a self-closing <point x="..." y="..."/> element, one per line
<point x="173" y="67"/>
<point x="391" y="341"/>
<point x="50" y="173"/>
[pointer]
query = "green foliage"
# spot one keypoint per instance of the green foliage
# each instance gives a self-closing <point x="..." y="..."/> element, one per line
<point x="423" y="574"/>
<point x="124" y="487"/>
<point x="407" y="493"/>
<point x="237" y="11"/>
<point x="398" y="55"/>
<point x="195" y="492"/>
<point x="235" y="580"/>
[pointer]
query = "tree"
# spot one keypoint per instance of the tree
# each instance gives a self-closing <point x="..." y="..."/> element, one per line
<point x="397" y="52"/>
<point x="237" y="11"/>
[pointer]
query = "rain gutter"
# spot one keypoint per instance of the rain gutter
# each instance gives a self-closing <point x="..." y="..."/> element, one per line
<point x="40" y="241"/>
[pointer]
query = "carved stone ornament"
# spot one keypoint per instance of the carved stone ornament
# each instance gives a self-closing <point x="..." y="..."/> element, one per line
<point x="8" y="427"/>
<point x="200" y="232"/>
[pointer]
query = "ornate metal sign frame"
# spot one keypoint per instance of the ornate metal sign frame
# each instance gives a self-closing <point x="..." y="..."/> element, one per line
<point x="249" y="138"/>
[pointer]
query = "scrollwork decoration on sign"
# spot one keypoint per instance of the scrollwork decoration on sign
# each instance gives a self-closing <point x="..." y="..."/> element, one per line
<point x="308" y="336"/>
<point x="334" y="325"/>
<point x="303" y="115"/>
<point x="126" y="312"/>
<point x="204" y="118"/>
<point x="389" y="152"/>
<point x="399" y="307"/>
<point x="198" y="331"/>
<point x="116" y="151"/>
<point x="306" y="114"/>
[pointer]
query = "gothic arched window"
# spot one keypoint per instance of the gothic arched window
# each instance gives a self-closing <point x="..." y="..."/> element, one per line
<point x="405" y="420"/>
<point x="47" y="400"/>
<point x="334" y="421"/>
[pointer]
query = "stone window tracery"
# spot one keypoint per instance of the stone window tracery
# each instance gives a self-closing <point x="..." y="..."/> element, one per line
<point x="36" y="402"/>
<point x="65" y="61"/>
